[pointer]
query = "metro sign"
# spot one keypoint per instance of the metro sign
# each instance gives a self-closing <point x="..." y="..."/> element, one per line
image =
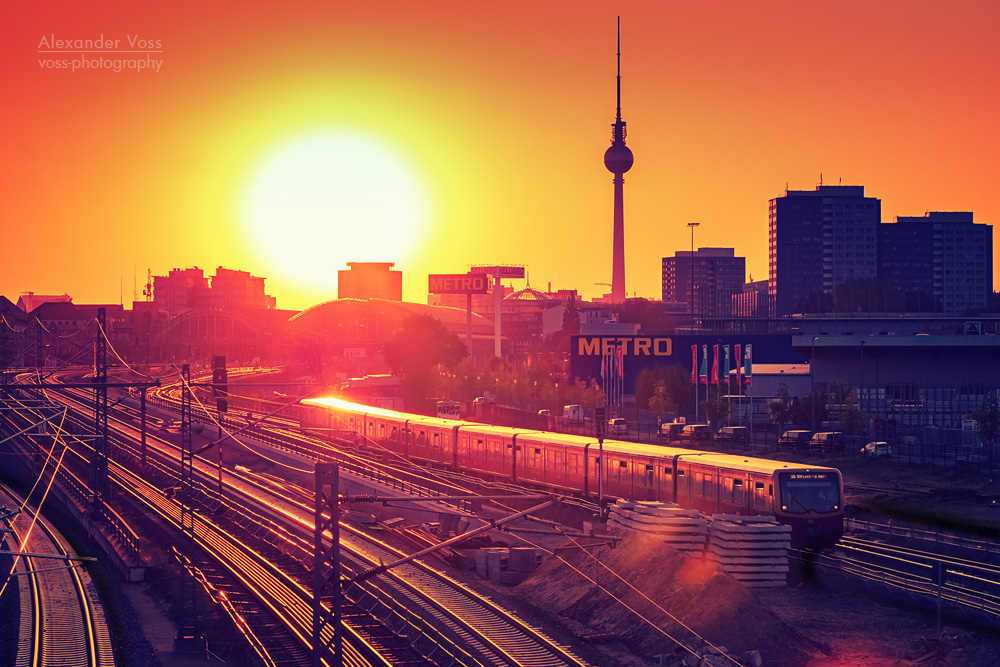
<point x="458" y="283"/>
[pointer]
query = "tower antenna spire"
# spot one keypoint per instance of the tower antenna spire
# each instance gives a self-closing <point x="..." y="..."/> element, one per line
<point x="618" y="115"/>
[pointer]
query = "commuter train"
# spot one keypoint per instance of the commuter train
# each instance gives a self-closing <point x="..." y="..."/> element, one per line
<point x="807" y="498"/>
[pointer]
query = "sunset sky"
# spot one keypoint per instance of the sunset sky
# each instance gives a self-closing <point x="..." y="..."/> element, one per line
<point x="286" y="139"/>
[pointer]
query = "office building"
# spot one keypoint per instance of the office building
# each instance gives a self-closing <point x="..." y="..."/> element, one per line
<point x="818" y="239"/>
<point x="717" y="276"/>
<point x="370" y="280"/>
<point x="941" y="261"/>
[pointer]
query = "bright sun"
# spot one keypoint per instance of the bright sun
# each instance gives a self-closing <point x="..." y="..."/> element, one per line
<point x="328" y="197"/>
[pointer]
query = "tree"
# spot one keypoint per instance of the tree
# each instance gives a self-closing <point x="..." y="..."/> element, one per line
<point x="661" y="402"/>
<point x="716" y="407"/>
<point x="852" y="419"/>
<point x="676" y="388"/>
<point x="421" y="345"/>
<point x="307" y="350"/>
<point x="649" y="315"/>
<point x="781" y="410"/>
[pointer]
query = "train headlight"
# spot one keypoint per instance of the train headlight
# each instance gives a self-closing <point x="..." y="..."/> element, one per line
<point x="836" y="507"/>
<point x="784" y="508"/>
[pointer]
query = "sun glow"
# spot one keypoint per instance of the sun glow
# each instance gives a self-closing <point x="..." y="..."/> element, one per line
<point x="328" y="197"/>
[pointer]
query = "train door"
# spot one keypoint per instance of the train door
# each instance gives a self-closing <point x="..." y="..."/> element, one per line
<point x="509" y="457"/>
<point x="575" y="477"/>
<point x="462" y="450"/>
<point x="665" y="481"/>
<point x="478" y="460"/>
<point x="645" y="480"/>
<point x="762" y="501"/>
<point x="618" y="476"/>
<point x="734" y="495"/>
<point x="555" y="466"/>
<point x="451" y="447"/>
<point x="682" y="484"/>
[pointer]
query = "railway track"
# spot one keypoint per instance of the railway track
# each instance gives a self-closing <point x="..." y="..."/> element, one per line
<point x="412" y="608"/>
<point x="62" y="621"/>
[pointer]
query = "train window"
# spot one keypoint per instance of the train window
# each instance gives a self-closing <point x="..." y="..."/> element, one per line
<point x="647" y="479"/>
<point x="436" y="443"/>
<point x="480" y="447"/>
<point x="421" y="438"/>
<point x="535" y="458"/>
<point x="555" y="461"/>
<point x="727" y="489"/>
<point x="738" y="491"/>
<point x="463" y="445"/>
<point x="573" y="464"/>
<point x="758" y="495"/>
<point x="446" y="440"/>
<point x="706" y="489"/>
<point x="681" y="482"/>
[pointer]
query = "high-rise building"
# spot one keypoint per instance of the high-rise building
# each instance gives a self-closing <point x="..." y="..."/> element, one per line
<point x="940" y="260"/>
<point x="717" y="276"/>
<point x="370" y="280"/>
<point x="818" y="240"/>
<point x="185" y="289"/>
<point x="180" y="291"/>
<point x="239" y="288"/>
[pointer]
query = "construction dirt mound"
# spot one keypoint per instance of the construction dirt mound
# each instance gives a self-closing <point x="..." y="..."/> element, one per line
<point x="696" y="592"/>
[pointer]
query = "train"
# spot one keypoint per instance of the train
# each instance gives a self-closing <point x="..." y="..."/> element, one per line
<point x="807" y="498"/>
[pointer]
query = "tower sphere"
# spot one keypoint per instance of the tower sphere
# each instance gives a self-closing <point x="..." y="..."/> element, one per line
<point x="618" y="158"/>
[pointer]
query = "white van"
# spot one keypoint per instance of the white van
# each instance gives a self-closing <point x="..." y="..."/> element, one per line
<point x="573" y="414"/>
<point x="617" y="426"/>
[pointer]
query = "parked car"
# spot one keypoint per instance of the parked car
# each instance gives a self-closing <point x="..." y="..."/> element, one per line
<point x="617" y="426"/>
<point x="876" y="450"/>
<point x="737" y="434"/>
<point x="828" y="441"/>
<point x="696" y="432"/>
<point x="672" y="430"/>
<point x="795" y="440"/>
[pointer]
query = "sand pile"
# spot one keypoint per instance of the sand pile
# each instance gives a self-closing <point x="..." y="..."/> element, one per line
<point x="710" y="602"/>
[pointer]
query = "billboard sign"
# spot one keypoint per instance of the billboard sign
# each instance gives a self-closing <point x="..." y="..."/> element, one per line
<point x="501" y="271"/>
<point x="458" y="283"/>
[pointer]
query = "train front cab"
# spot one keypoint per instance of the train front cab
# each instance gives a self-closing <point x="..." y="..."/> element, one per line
<point x="811" y="501"/>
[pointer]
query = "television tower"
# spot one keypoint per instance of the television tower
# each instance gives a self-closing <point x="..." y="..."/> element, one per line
<point x="618" y="160"/>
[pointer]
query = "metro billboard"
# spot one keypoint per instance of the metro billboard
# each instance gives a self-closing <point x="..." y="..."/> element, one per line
<point x="458" y="283"/>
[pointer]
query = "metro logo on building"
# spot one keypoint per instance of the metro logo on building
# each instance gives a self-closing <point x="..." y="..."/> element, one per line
<point x="458" y="283"/>
<point x="635" y="346"/>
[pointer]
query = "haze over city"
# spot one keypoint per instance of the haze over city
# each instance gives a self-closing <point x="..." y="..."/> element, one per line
<point x="440" y="135"/>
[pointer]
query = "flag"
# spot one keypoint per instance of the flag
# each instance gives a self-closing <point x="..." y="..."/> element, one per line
<point x="738" y="363"/>
<point x="747" y="364"/>
<point x="715" y="364"/>
<point x="620" y="360"/>
<point x="694" y="364"/>
<point x="725" y="363"/>
<point x="703" y="368"/>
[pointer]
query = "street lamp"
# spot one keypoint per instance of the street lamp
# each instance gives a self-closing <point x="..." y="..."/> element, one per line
<point x="812" y="376"/>
<point x="692" y="225"/>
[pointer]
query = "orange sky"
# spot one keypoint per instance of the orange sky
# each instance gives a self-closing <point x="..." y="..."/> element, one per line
<point x="502" y="112"/>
